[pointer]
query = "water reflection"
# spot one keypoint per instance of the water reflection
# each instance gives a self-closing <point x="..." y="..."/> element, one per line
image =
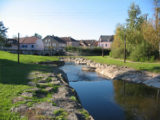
<point x="139" y="102"/>
<point x="113" y="100"/>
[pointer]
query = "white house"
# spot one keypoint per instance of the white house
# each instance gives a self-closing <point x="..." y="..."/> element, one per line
<point x="31" y="43"/>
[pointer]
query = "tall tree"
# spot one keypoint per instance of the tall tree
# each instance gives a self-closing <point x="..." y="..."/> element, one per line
<point x="140" y="37"/>
<point x="133" y="14"/>
<point x="37" y="35"/>
<point x="3" y="31"/>
<point x="157" y="20"/>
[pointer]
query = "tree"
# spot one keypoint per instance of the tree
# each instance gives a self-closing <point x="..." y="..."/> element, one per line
<point x="141" y="37"/>
<point x="133" y="14"/>
<point x="37" y="35"/>
<point x="157" y="20"/>
<point x="118" y="43"/>
<point x="3" y="31"/>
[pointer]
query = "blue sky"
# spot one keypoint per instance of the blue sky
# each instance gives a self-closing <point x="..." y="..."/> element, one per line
<point x="80" y="19"/>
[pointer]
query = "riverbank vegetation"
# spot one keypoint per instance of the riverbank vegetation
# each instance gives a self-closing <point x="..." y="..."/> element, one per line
<point x="152" y="67"/>
<point x="14" y="78"/>
<point x="95" y="51"/>
<point x="141" y="35"/>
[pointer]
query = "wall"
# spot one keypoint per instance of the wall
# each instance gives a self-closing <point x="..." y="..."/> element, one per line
<point x="105" y="44"/>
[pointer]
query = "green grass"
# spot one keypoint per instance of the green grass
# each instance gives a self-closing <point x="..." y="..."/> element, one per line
<point x="14" y="79"/>
<point x="60" y="114"/>
<point x="26" y="58"/>
<point x="152" y="67"/>
<point x="73" y="98"/>
<point x="85" y="114"/>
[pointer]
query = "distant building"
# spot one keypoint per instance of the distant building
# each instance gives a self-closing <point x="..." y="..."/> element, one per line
<point x="11" y="43"/>
<point x="89" y="43"/>
<point x="31" y="43"/>
<point x="106" y="41"/>
<point x="70" y="41"/>
<point x="53" y="42"/>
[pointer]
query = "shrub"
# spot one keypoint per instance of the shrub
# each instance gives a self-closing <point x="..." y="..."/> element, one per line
<point x="117" y="53"/>
<point x="88" y="51"/>
<point x="140" y="53"/>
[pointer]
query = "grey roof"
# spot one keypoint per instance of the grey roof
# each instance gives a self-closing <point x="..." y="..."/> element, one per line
<point x="106" y="38"/>
<point x="68" y="39"/>
<point x="88" y="42"/>
<point x="55" y="38"/>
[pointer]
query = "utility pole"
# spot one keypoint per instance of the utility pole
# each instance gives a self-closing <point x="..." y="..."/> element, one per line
<point x="18" y="49"/>
<point x="124" y="47"/>
<point x="102" y="51"/>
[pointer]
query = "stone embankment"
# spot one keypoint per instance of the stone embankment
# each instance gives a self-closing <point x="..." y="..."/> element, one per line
<point x="49" y="97"/>
<point x="118" y="73"/>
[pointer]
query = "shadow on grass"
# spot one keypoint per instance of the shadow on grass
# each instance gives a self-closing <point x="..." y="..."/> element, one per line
<point x="153" y="69"/>
<point x="13" y="73"/>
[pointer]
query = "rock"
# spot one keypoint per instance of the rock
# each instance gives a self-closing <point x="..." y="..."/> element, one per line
<point x="54" y="79"/>
<point x="48" y="89"/>
<point x="27" y="94"/>
<point x="67" y="103"/>
<point x="44" y="108"/>
<point x="17" y="99"/>
<point x="88" y="69"/>
<point x="73" y="116"/>
<point x="42" y="81"/>
<point x="22" y="109"/>
<point x="63" y="78"/>
<point x="32" y="83"/>
<point x="154" y="82"/>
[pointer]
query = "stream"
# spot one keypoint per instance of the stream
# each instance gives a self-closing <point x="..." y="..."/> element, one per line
<point x="108" y="99"/>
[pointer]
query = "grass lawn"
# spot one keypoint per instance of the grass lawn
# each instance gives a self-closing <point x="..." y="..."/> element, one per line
<point x="152" y="67"/>
<point x="13" y="78"/>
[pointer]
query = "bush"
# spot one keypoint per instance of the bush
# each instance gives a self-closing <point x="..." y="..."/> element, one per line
<point x="88" y="51"/>
<point x="141" y="53"/>
<point x="117" y="53"/>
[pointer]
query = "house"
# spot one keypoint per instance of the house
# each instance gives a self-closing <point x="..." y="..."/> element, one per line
<point x="53" y="42"/>
<point x="70" y="41"/>
<point x="106" y="41"/>
<point x="31" y="43"/>
<point x="88" y="43"/>
<point x="11" y="43"/>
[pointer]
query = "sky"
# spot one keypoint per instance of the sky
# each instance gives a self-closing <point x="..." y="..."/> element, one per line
<point x="80" y="19"/>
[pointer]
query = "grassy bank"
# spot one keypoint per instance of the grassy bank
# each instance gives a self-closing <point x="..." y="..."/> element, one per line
<point x="14" y="78"/>
<point x="152" y="67"/>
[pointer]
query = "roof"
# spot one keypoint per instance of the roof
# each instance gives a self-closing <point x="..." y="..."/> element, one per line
<point x="28" y="40"/>
<point x="83" y="43"/>
<point x="68" y="39"/>
<point x="54" y="38"/>
<point x="106" y="38"/>
<point x="88" y="42"/>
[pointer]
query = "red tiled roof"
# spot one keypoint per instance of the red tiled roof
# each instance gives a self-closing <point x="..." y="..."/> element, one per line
<point x="28" y="40"/>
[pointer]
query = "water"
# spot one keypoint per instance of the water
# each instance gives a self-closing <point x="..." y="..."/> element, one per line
<point x="113" y="100"/>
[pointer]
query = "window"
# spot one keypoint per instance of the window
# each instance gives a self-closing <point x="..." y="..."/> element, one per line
<point x="32" y="46"/>
<point x="53" y="44"/>
<point x="106" y="45"/>
<point x="24" y="46"/>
